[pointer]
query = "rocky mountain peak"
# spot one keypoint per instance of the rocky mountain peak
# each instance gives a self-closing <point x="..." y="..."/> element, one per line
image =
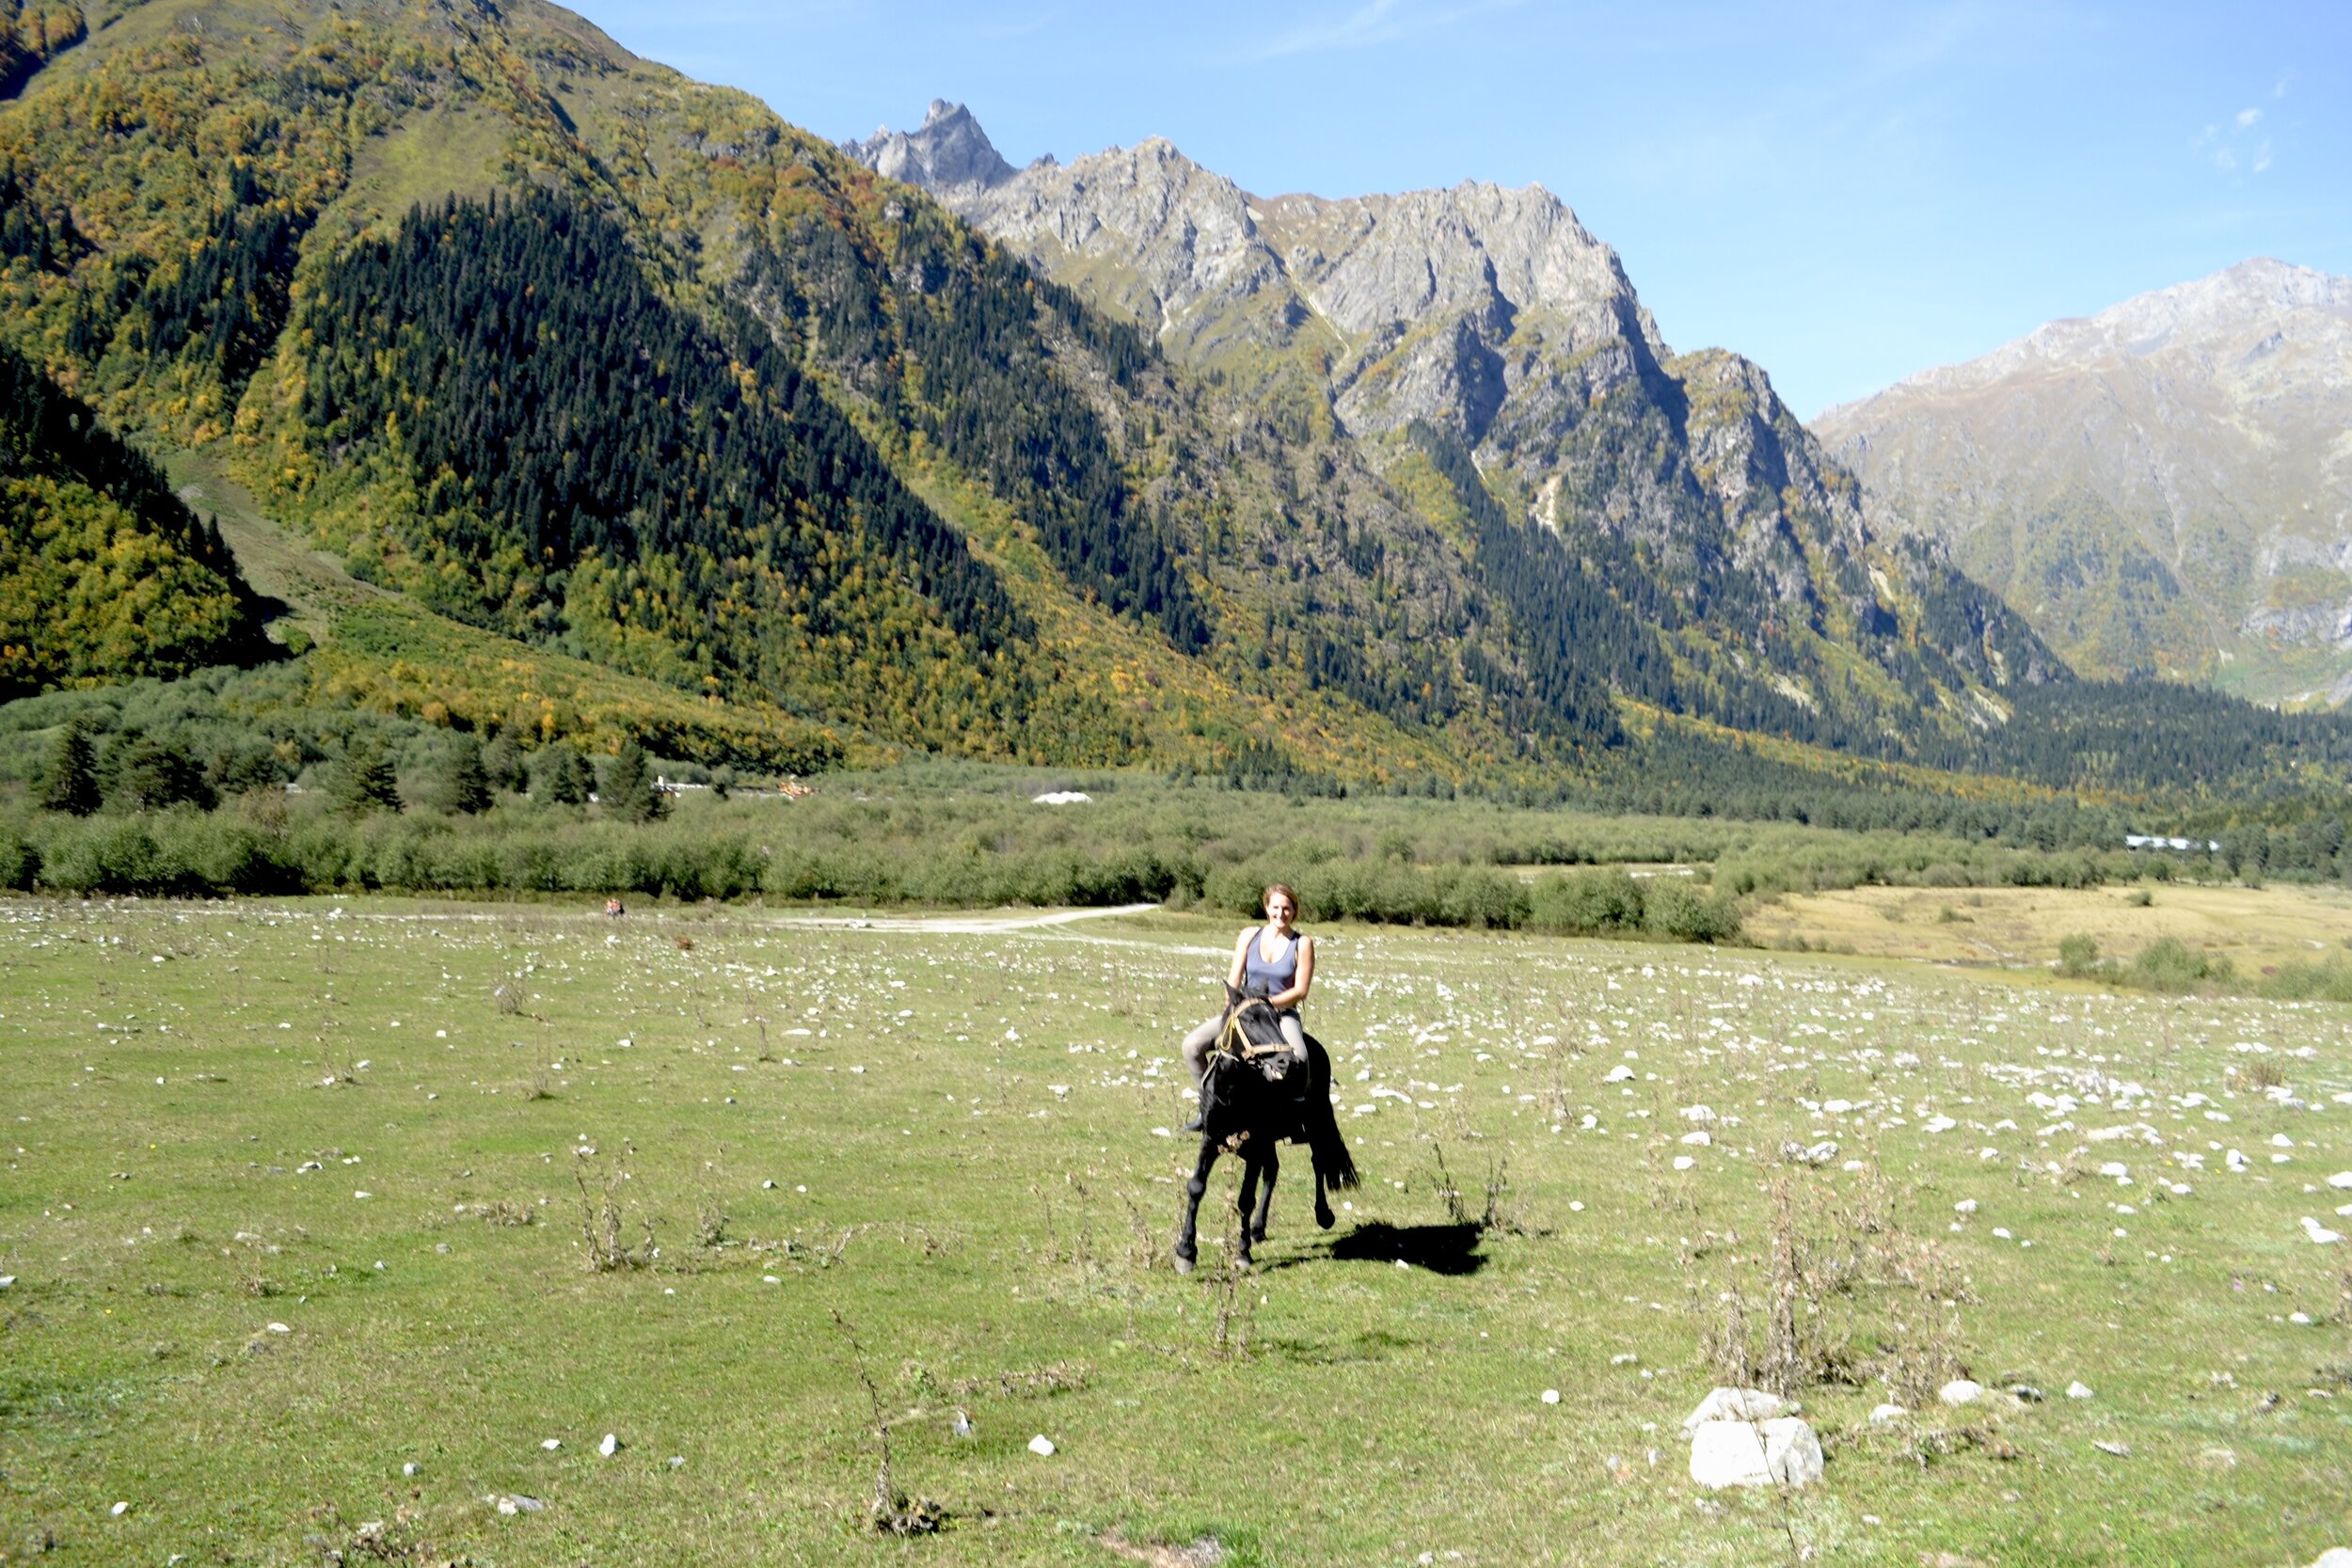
<point x="949" y="151"/>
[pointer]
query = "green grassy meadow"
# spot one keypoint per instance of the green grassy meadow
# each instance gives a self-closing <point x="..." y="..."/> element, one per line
<point x="324" y="1115"/>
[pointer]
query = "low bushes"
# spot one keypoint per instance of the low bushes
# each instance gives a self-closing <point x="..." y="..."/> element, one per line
<point x="2167" y="964"/>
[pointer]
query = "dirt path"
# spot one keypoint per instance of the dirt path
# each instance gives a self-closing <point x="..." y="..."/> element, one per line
<point x="987" y="923"/>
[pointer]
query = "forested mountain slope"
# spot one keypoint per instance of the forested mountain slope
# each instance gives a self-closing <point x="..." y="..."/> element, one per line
<point x="104" y="573"/>
<point x="2164" y="488"/>
<point x="1005" y="528"/>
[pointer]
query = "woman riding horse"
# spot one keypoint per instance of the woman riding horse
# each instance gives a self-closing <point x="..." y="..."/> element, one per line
<point x="1262" y="1080"/>
<point x="1273" y="961"/>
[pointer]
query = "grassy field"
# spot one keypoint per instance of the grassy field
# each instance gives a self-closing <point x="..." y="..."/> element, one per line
<point x="294" y="1199"/>
<point x="2257" y="928"/>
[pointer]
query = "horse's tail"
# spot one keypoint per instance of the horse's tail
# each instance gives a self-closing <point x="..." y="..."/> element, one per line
<point x="1332" y="1162"/>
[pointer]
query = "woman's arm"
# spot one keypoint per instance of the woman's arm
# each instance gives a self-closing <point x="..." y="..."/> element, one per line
<point x="1301" y="983"/>
<point x="1241" y="960"/>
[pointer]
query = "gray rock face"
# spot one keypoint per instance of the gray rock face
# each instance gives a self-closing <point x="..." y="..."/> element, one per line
<point x="2165" y="487"/>
<point x="950" y="150"/>
<point x="1496" y="318"/>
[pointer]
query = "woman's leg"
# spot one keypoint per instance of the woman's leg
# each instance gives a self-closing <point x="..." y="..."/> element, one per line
<point x="1294" y="1036"/>
<point x="1196" y="1046"/>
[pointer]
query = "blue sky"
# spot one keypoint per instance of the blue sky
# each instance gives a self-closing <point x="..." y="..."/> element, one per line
<point x="1846" y="193"/>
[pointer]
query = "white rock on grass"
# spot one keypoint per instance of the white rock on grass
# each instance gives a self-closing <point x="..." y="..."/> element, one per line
<point x="1755" y="1454"/>
<point x="1552" y="1396"/>
<point x="1042" y="1446"/>
<point x="1882" y="1415"/>
<point x="2078" y="1391"/>
<point x="2334" y="1557"/>
<point x="2342" y="1179"/>
<point x="1736" y="1404"/>
<point x="611" y="1446"/>
<point x="2320" y="1233"/>
<point x="1961" y="1390"/>
<point x="1617" y="1074"/>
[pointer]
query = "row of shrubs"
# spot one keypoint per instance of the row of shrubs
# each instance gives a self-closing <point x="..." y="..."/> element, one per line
<point x="2172" y="967"/>
<point x="1591" y="902"/>
<point x="193" y="854"/>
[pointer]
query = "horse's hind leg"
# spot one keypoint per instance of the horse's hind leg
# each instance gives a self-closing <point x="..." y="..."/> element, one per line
<point x="1323" y="1217"/>
<point x="1265" y="1197"/>
<point x="1188" y="1250"/>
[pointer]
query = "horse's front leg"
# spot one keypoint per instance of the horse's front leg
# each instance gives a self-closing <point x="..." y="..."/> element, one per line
<point x="1188" y="1250"/>
<point x="1266" y="1198"/>
<point x="1252" y="1168"/>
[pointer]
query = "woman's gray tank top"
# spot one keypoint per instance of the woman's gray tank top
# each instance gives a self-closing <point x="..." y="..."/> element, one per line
<point x="1261" y="978"/>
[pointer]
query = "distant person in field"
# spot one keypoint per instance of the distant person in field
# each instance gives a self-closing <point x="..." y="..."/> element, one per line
<point x="1273" y="961"/>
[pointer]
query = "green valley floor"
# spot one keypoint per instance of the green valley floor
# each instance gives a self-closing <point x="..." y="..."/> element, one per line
<point x="303" y="1203"/>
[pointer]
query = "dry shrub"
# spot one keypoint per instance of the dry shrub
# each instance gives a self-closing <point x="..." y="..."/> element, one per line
<point x="890" y="1511"/>
<point x="507" y="997"/>
<point x="1033" y="1383"/>
<point x="604" y="1220"/>
<point x="1844" y="1294"/>
<point x="2262" y="1074"/>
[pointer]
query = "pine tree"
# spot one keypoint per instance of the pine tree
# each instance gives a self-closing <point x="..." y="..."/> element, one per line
<point x="72" y="784"/>
<point x="503" y="760"/>
<point x="629" y="791"/>
<point x="150" y="775"/>
<point x="560" y="777"/>
<point x="463" y="785"/>
<point x="365" y="779"/>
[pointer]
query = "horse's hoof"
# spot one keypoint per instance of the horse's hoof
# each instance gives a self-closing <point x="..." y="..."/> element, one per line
<point x="1184" y="1265"/>
<point x="1325" y="1219"/>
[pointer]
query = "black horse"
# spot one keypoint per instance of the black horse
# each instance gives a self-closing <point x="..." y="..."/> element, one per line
<point x="1252" y="1100"/>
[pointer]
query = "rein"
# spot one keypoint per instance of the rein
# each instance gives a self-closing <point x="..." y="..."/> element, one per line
<point x="1234" y="1040"/>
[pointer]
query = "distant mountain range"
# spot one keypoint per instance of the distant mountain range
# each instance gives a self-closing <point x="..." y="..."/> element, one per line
<point x="581" y="366"/>
<point x="2162" y="488"/>
<point x="1721" y="564"/>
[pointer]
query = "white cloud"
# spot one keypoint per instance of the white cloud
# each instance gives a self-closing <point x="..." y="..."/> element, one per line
<point x="2236" y="146"/>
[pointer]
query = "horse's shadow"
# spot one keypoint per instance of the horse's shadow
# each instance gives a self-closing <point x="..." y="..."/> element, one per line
<point x="1447" y="1249"/>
